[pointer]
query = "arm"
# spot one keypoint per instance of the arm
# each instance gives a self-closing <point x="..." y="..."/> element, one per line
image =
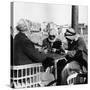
<point x="78" y="48"/>
<point x="82" y="45"/>
<point x="32" y="53"/>
<point x="81" y="48"/>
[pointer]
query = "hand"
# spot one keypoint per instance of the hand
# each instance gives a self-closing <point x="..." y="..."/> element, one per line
<point x="46" y="51"/>
<point x="54" y="49"/>
<point x="66" y="51"/>
<point x="71" y="53"/>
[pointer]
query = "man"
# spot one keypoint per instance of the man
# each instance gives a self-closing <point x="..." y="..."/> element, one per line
<point x="52" y="43"/>
<point x="76" y="54"/>
<point x="24" y="49"/>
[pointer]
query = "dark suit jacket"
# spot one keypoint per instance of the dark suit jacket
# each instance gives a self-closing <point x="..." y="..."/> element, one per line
<point x="25" y="52"/>
<point x="81" y="51"/>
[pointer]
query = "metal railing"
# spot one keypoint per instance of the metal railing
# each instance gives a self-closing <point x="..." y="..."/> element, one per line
<point x="26" y="75"/>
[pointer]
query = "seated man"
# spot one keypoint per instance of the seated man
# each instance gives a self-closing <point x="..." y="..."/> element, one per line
<point x="76" y="54"/>
<point x="24" y="48"/>
<point x="52" y="44"/>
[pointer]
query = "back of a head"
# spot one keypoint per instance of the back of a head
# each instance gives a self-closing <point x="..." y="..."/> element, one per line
<point x="23" y="25"/>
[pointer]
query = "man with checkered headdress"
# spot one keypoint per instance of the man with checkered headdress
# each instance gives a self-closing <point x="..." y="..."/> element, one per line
<point x="24" y="47"/>
<point x="76" y="54"/>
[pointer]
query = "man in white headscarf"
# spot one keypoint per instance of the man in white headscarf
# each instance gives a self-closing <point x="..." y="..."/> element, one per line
<point x="76" y="54"/>
<point x="52" y="43"/>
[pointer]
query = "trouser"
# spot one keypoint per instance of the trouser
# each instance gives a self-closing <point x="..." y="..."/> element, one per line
<point x="70" y="68"/>
<point x="60" y="65"/>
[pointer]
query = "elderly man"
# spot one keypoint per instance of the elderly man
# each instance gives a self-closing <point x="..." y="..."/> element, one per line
<point x="24" y="49"/>
<point x="52" y="43"/>
<point x="76" y="54"/>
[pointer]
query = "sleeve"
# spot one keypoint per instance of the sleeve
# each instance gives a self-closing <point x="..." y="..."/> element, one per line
<point x="82" y="51"/>
<point x="81" y="45"/>
<point x="58" y="45"/>
<point x="82" y="48"/>
<point x="33" y="53"/>
<point x="44" y="45"/>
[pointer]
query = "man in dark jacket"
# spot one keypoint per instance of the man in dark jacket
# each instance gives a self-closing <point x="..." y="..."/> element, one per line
<point x="76" y="48"/>
<point x="24" y="49"/>
<point x="52" y="43"/>
<point x="76" y="54"/>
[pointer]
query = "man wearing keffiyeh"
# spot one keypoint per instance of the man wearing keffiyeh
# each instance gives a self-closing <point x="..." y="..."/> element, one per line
<point x="76" y="54"/>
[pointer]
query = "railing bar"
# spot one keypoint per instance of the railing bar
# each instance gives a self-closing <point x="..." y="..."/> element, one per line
<point x="26" y="76"/>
